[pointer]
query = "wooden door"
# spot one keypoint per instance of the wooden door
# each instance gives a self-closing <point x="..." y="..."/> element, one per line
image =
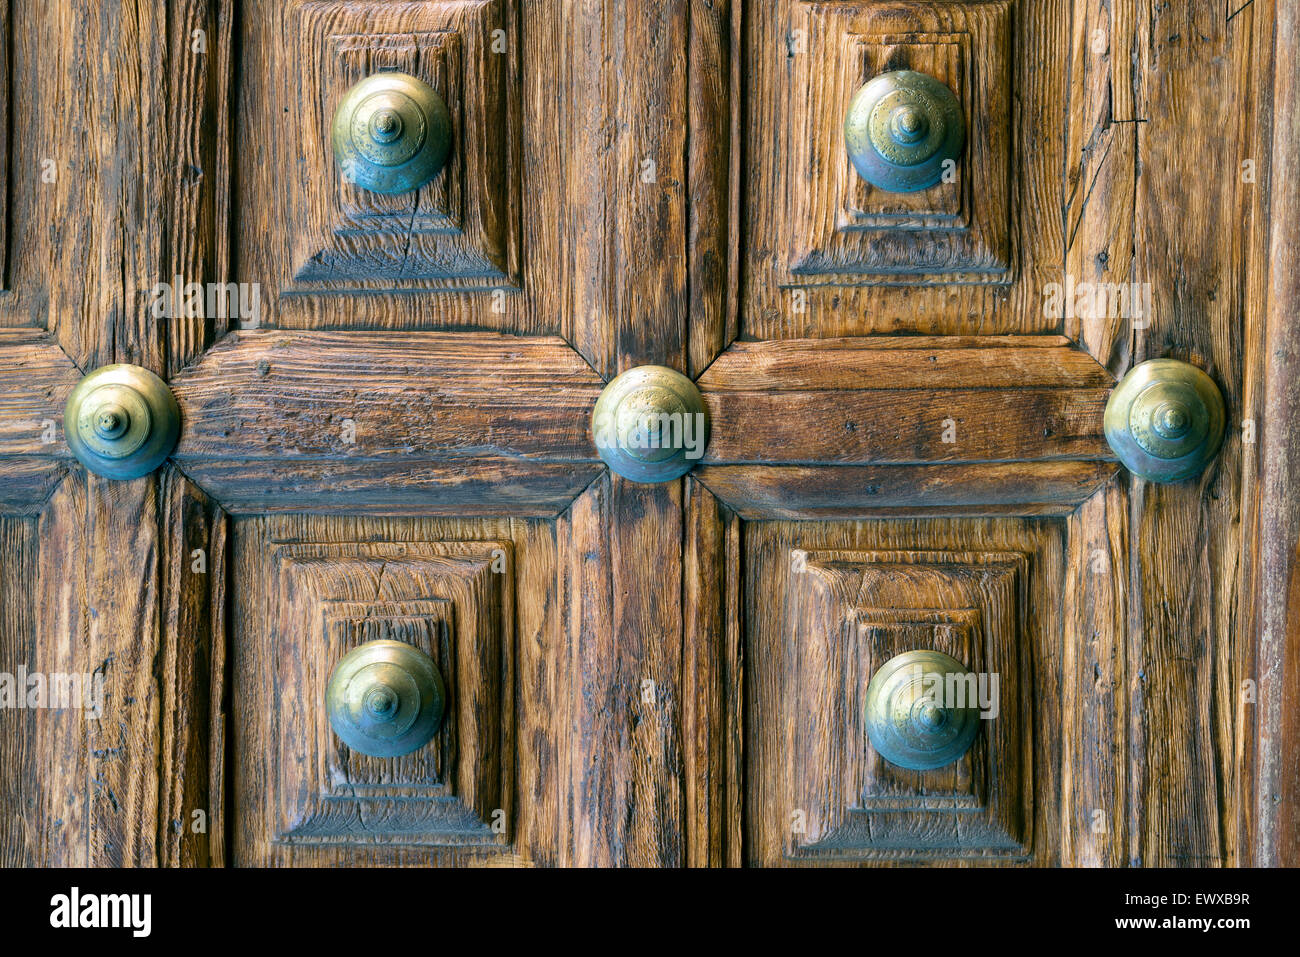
<point x="386" y="434"/>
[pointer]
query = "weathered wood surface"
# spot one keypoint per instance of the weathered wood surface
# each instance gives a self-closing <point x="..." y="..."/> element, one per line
<point x="290" y="395"/>
<point x="653" y="229"/>
<point x="1271" y="794"/>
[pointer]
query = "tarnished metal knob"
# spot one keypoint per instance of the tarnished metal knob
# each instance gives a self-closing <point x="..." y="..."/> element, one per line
<point x="385" y="698"/>
<point x="901" y="128"/>
<point x="1165" y="420"/>
<point x="650" y="425"/>
<point x="121" y="421"/>
<point x="912" y="719"/>
<point x="391" y="133"/>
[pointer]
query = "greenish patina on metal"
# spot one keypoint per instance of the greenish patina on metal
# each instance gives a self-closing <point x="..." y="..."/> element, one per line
<point x="1165" y="420"/>
<point x="910" y="719"/>
<point x="385" y="698"/>
<point x="121" y="421"/>
<point x="900" y="129"/>
<point x="391" y="133"/>
<point x="650" y="424"/>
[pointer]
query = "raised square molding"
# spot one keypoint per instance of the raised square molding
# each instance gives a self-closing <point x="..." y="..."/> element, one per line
<point x="459" y="231"/>
<point x="454" y="601"/>
<point x="841" y="230"/>
<point x="847" y="612"/>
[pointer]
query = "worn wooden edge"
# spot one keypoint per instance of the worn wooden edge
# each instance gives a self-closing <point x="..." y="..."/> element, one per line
<point x="712" y="709"/>
<point x="906" y="426"/>
<point x="38" y="376"/>
<point x="905" y="362"/>
<point x="416" y="396"/>
<point x="1274" y="593"/>
<point x="464" y="487"/>
<point x="713" y="171"/>
<point x="1094" y="702"/>
<point x="620" y="592"/>
<point x="819" y="492"/>
<point x="192" y="568"/>
<point x="26" y="484"/>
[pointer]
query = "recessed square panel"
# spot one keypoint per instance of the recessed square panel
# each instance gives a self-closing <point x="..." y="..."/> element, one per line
<point x="459" y="231"/>
<point x="844" y="614"/>
<point x="837" y="228"/>
<point x="453" y="601"/>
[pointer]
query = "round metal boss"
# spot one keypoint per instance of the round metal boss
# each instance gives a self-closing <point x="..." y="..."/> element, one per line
<point x="391" y="133"/>
<point x="385" y="698"/>
<point x="1165" y="420"/>
<point x="909" y="721"/>
<point x="121" y="421"/>
<point x="650" y="425"/>
<point x="900" y="128"/>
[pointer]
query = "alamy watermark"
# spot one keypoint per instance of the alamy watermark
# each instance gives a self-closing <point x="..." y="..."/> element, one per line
<point x="1098" y="300"/>
<point x="678" y="431"/>
<point x="56" y="690"/>
<point x="214" y="300"/>
<point x="957" y="691"/>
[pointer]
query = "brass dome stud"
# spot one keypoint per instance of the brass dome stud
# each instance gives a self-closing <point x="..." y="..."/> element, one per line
<point x="909" y="722"/>
<point x="385" y="698"/>
<point x="121" y="421"/>
<point x="650" y="424"/>
<point x="900" y="130"/>
<point x="1165" y="420"/>
<point x="391" y="133"/>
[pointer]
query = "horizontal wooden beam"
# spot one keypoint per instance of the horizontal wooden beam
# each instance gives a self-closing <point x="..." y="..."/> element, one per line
<point x="459" y="488"/>
<point x="38" y="376"/>
<point x="906" y="401"/>
<point x="822" y="492"/>
<point x="351" y="397"/>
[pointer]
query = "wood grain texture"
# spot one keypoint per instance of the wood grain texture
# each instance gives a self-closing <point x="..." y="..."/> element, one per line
<point x="775" y="767"/>
<point x="621" y="595"/>
<point x="46" y="777"/>
<point x="1094" y="706"/>
<point x="191" y="815"/>
<point x="629" y="129"/>
<point x="1271" y="836"/>
<point x="905" y="426"/>
<point x="856" y="491"/>
<point x="711" y="681"/>
<point x="124" y="191"/>
<point x="1185" y="631"/>
<point x="282" y="395"/>
<point x="482" y="485"/>
<point x="713" y="161"/>
<point x="38" y="377"/>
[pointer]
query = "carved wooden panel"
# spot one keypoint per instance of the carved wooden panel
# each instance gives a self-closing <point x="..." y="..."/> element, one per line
<point x="824" y="253"/>
<point x="304" y="231"/>
<point x="821" y="619"/>
<point x="842" y="230"/>
<point x="457" y="231"/>
<point x="454" y="601"/>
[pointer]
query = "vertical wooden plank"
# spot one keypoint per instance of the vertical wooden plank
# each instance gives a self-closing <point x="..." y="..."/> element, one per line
<point x="18" y="824"/>
<point x="190" y="816"/>
<point x="124" y="602"/>
<point x="713" y="169"/>
<point x="712" y="708"/>
<point x="1094" y="717"/>
<point x="45" y="754"/>
<point x="1104" y="112"/>
<point x="628" y="107"/>
<point x="1273" y="796"/>
<point x="1197" y="73"/>
<point x="620" y="590"/>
